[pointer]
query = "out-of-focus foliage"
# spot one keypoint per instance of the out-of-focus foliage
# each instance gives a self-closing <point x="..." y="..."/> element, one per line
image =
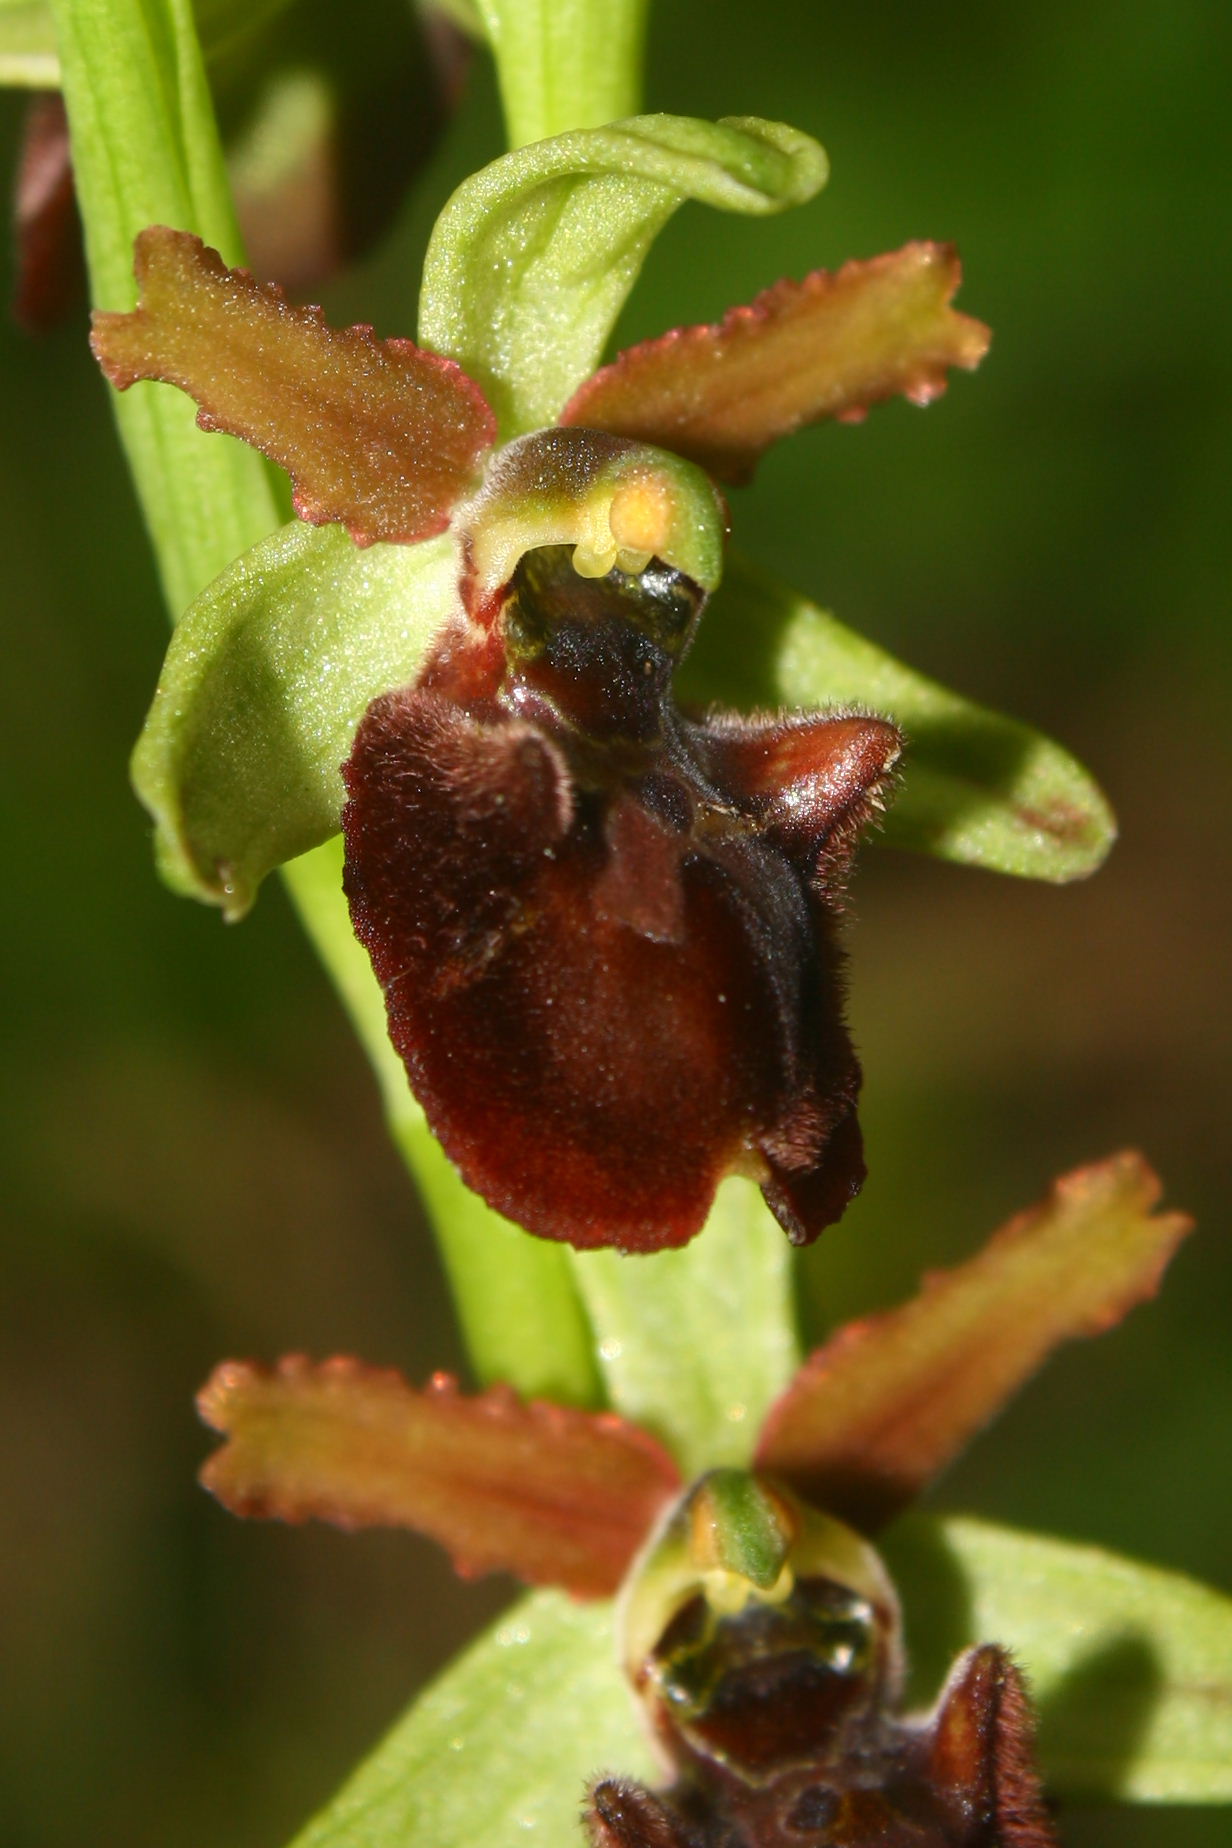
<point x="193" y="1162"/>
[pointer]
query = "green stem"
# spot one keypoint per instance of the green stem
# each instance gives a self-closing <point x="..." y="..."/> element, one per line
<point x="565" y="64"/>
<point x="146" y="151"/>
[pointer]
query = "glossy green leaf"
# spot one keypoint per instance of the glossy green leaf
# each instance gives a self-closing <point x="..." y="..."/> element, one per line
<point x="28" y="56"/>
<point x="565" y="64"/>
<point x="265" y="682"/>
<point x="516" y="1297"/>
<point x="145" y="151"/>
<point x="696" y="1344"/>
<point x="977" y="787"/>
<point x="532" y="258"/>
<point x="501" y="1748"/>
<point x="1130" y="1665"/>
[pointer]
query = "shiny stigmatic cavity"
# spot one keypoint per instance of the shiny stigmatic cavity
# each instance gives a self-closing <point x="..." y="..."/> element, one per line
<point x="599" y="652"/>
<point x="775" y="1705"/>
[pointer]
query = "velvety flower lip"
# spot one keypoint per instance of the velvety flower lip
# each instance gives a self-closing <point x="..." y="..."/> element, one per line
<point x="606" y="930"/>
<point x="538" y="853"/>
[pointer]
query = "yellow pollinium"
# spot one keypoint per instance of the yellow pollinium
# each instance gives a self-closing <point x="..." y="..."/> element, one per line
<point x="727" y="1593"/>
<point x="616" y="502"/>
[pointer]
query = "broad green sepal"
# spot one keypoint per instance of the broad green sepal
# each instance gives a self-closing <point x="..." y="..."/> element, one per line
<point x="1130" y="1665"/>
<point x="28" y="56"/>
<point x="978" y="788"/>
<point x="502" y="1746"/>
<point x="532" y="258"/>
<point x="265" y="682"/>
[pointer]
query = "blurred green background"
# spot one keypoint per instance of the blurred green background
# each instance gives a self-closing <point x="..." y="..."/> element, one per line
<point x="193" y="1162"/>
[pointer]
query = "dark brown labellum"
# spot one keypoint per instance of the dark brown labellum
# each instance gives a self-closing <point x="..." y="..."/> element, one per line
<point x="778" y="1721"/>
<point x="606" y="931"/>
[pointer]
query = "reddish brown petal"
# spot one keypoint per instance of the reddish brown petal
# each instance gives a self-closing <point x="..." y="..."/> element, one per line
<point x="559" y="1497"/>
<point x="830" y="346"/>
<point x="982" y="1754"/>
<point x="818" y="780"/>
<point x="876" y="1413"/>
<point x="572" y="1060"/>
<point x="376" y="434"/>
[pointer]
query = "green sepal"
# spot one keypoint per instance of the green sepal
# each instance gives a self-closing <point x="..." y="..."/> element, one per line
<point x="1130" y="1666"/>
<point x="697" y="1344"/>
<point x="265" y="682"/>
<point x="977" y="787"/>
<point x="28" y="55"/>
<point x="502" y="1745"/>
<point x="532" y="258"/>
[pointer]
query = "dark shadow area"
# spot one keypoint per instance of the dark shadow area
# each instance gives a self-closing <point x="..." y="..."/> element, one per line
<point x="937" y="1615"/>
<point x="1096" y="1719"/>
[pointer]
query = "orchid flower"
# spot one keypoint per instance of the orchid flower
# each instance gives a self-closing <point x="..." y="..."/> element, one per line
<point x="605" y="927"/>
<point x="757" y="1627"/>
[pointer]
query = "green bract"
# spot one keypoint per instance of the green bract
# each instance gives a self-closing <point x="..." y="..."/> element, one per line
<point x="266" y="679"/>
<point x="146" y="151"/>
<point x="564" y="63"/>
